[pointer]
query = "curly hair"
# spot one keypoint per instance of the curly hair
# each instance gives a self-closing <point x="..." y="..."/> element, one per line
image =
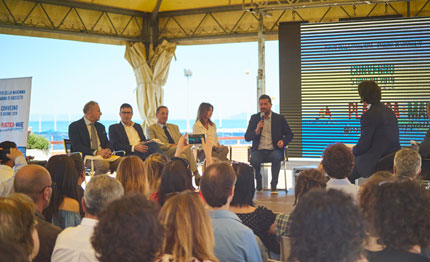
<point x="308" y="179"/>
<point x="130" y="173"/>
<point x="128" y="231"/>
<point x="153" y="166"/>
<point x="244" y="189"/>
<point x="402" y="212"/>
<point x="338" y="161"/>
<point x="367" y="196"/>
<point x="326" y="227"/>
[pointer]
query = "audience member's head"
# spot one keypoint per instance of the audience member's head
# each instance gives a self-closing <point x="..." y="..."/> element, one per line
<point x="12" y="251"/>
<point x="188" y="230"/>
<point x="153" y="166"/>
<point x="63" y="174"/>
<point x="402" y="211"/>
<point x="6" y="146"/>
<point x="204" y="113"/>
<point x="128" y="231"/>
<point x="18" y="224"/>
<point x="326" y="226"/>
<point x="407" y="162"/>
<point x="338" y="161"/>
<point x="367" y="195"/>
<point x="308" y="179"/>
<point x="132" y="176"/>
<point x="244" y="188"/>
<point x="217" y="185"/>
<point x="35" y="182"/>
<point x="175" y="177"/>
<point x="80" y="167"/>
<point x="99" y="192"/>
<point x="369" y="92"/>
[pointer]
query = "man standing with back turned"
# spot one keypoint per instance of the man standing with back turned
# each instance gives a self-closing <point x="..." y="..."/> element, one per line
<point x="270" y="133"/>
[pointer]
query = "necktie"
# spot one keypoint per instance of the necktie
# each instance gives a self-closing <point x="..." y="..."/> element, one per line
<point x="168" y="135"/>
<point x="94" y="143"/>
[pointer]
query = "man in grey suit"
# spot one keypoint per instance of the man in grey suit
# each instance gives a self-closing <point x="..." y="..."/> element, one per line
<point x="169" y="135"/>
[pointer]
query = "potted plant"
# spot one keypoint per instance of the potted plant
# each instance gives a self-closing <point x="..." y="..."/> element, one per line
<point x="38" y="146"/>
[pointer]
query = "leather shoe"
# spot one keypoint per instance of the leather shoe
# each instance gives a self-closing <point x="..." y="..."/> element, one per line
<point x="259" y="185"/>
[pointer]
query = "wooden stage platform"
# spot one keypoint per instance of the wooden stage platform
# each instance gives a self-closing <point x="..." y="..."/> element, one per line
<point x="278" y="203"/>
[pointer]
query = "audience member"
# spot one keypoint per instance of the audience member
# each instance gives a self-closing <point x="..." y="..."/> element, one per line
<point x="169" y="135"/>
<point x="401" y="220"/>
<point x="233" y="240"/>
<point x="88" y="136"/>
<point x="80" y="168"/>
<point x="128" y="231"/>
<point x="73" y="244"/>
<point x="132" y="175"/>
<point x="35" y="182"/>
<point x="188" y="230"/>
<point x="63" y="210"/>
<point x="307" y="180"/>
<point x="128" y="136"/>
<point x="152" y="167"/>
<point x="326" y="226"/>
<point x="11" y="160"/>
<point x="379" y="132"/>
<point x="425" y="144"/>
<point x="259" y="219"/>
<point x="338" y="162"/>
<point x="11" y="251"/>
<point x="204" y="125"/>
<point x="270" y="133"/>
<point x="18" y="224"/>
<point x="407" y="162"/>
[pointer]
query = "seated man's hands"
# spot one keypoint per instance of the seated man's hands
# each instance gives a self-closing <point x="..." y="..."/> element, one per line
<point x="105" y="153"/>
<point x="141" y="148"/>
<point x="280" y="144"/>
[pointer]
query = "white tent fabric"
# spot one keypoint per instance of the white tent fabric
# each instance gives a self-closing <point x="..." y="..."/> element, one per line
<point x="151" y="75"/>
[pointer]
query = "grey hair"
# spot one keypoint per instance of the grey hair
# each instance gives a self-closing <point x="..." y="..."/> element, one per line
<point x="407" y="162"/>
<point x="100" y="191"/>
<point x="88" y="106"/>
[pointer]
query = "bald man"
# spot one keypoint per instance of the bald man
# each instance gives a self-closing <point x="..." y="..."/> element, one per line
<point x="35" y="181"/>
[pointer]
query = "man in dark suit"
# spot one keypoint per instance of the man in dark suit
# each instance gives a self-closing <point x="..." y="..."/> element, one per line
<point x="379" y="132"/>
<point x="89" y="137"/>
<point x="128" y="136"/>
<point x="425" y="144"/>
<point x="270" y="133"/>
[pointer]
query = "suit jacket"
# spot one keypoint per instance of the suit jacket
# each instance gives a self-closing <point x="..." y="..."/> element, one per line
<point x="47" y="235"/>
<point x="156" y="131"/>
<point x="280" y="131"/>
<point x="379" y="137"/>
<point x="80" y="137"/>
<point x="425" y="146"/>
<point x="119" y="138"/>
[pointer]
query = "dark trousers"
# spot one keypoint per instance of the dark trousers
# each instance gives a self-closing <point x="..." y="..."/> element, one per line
<point x="267" y="156"/>
<point x="153" y="147"/>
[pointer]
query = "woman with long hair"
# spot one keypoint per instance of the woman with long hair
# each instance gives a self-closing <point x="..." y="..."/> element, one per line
<point x="188" y="230"/>
<point x="132" y="176"/>
<point x="63" y="210"/>
<point x="204" y="125"/>
<point x="153" y="166"/>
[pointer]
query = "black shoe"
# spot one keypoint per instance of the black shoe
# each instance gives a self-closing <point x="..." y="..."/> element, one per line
<point x="274" y="191"/>
<point x="259" y="185"/>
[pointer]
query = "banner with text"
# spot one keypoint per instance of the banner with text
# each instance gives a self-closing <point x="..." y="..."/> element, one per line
<point x="15" y="94"/>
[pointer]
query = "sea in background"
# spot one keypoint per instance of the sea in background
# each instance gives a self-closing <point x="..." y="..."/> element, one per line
<point x="57" y="130"/>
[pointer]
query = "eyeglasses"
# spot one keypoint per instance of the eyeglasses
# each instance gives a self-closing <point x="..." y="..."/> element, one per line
<point x="126" y="113"/>
<point x="51" y="186"/>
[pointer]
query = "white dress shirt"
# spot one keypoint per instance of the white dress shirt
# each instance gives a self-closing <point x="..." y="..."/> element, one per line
<point x="132" y="135"/>
<point x="266" y="134"/>
<point x="345" y="186"/>
<point x="199" y="128"/>
<point x="7" y="176"/>
<point x="74" y="243"/>
<point x="88" y="124"/>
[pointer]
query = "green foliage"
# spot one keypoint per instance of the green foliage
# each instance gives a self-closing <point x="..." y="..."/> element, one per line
<point x="37" y="142"/>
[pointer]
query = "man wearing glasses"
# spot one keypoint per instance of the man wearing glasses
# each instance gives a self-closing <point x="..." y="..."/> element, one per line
<point x="128" y="136"/>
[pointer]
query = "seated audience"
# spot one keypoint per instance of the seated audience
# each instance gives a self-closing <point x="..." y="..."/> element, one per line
<point x="128" y="231"/>
<point x="326" y="226"/>
<point x="128" y="136"/>
<point x="259" y="219"/>
<point x="367" y="205"/>
<point x="132" y="175"/>
<point x="338" y="162"/>
<point x="407" y="162"/>
<point x="233" y="240"/>
<point x="307" y="180"/>
<point x="401" y="221"/>
<point x="63" y="210"/>
<point x="12" y="251"/>
<point x="11" y="160"/>
<point x="18" y="224"/>
<point x="73" y="244"/>
<point x="152" y="167"/>
<point x="80" y="168"/>
<point x="35" y="182"/>
<point x="188" y="230"/>
<point x="204" y="125"/>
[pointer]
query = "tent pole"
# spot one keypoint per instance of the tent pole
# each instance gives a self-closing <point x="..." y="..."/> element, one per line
<point x="261" y="77"/>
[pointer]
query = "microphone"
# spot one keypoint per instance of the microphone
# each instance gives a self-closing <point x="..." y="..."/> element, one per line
<point x="262" y="114"/>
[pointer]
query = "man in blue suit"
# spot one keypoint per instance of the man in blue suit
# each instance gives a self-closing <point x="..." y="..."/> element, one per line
<point x="379" y="132"/>
<point x="269" y="133"/>
<point x="128" y="136"/>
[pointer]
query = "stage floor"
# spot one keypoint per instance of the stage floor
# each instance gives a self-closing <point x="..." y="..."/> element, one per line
<point x="278" y="203"/>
